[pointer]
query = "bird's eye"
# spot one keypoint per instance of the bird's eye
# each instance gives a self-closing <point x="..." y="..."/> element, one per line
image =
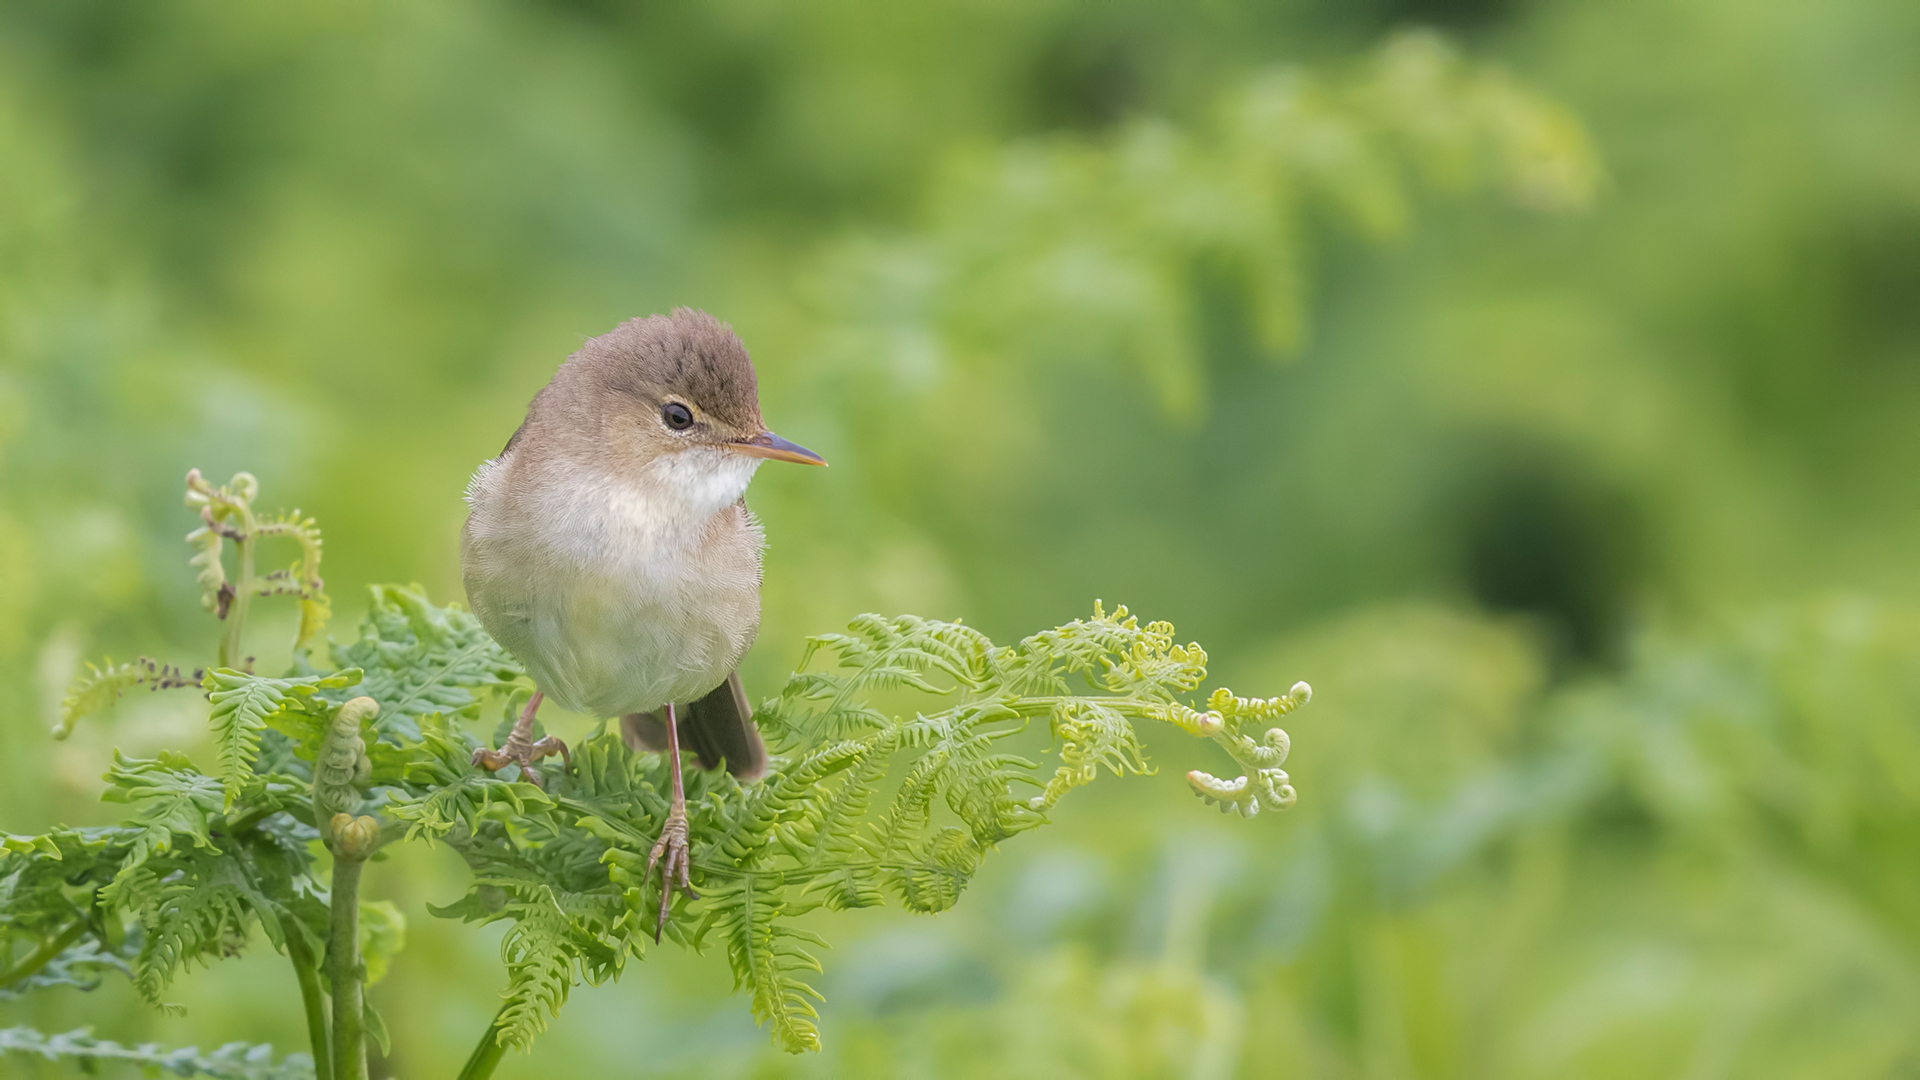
<point x="677" y="416"/>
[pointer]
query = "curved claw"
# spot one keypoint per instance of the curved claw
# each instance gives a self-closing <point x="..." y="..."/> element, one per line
<point x="523" y="754"/>
<point x="674" y="856"/>
<point x="522" y="749"/>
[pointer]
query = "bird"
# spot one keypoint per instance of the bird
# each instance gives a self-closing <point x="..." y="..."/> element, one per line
<point x="609" y="548"/>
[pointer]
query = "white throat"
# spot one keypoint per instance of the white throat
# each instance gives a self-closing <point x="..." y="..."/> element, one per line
<point x="698" y="482"/>
<point x="677" y="494"/>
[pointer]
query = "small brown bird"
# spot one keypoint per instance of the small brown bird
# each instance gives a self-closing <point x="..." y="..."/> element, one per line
<point x="609" y="549"/>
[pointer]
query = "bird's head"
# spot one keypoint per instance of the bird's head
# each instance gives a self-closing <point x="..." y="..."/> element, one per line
<point x="673" y="396"/>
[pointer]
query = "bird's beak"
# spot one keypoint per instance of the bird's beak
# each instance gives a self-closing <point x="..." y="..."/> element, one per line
<point x="771" y="446"/>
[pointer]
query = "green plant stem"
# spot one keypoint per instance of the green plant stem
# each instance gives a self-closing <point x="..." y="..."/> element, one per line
<point x="248" y="819"/>
<point x="343" y="965"/>
<point x="243" y="589"/>
<point x="308" y="973"/>
<point x="487" y="1053"/>
<point x="39" y="957"/>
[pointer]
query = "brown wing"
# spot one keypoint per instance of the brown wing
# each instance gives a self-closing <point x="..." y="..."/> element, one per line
<point x="718" y="727"/>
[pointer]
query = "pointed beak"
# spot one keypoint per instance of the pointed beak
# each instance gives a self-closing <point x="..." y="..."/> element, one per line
<point x="773" y="447"/>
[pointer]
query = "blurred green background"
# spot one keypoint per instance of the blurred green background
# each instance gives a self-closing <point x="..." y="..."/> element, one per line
<point x="1571" y="451"/>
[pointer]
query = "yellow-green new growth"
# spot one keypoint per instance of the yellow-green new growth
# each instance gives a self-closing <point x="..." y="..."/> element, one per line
<point x="103" y="683"/>
<point x="1264" y="785"/>
<point x="1095" y="731"/>
<point x="302" y="579"/>
<point x="226" y="513"/>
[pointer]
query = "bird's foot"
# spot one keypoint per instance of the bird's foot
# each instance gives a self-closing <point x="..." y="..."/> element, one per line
<point x="675" y="859"/>
<point x="523" y="752"/>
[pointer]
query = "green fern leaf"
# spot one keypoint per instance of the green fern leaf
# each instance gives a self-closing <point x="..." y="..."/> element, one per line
<point x="201" y="910"/>
<point x="215" y="594"/>
<point x="1089" y="734"/>
<point x="303" y="578"/>
<point x="234" y="1061"/>
<point x="242" y="704"/>
<point x="92" y="692"/>
<point x="882" y="654"/>
<point x="766" y="958"/>
<point x="456" y="795"/>
<point x="841" y="876"/>
<point x="81" y="965"/>
<point x="906" y="817"/>
<point x="977" y="782"/>
<point x="540" y="959"/>
<point x="933" y="883"/>
<point x="100" y="686"/>
<point x="420" y="659"/>
<point x="171" y="800"/>
<point x="788" y="797"/>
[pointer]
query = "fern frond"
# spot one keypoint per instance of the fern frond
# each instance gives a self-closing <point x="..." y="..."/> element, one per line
<point x="560" y="934"/>
<point x="136" y="890"/>
<point x="766" y="955"/>
<point x="316" y="610"/>
<point x="539" y="955"/>
<point x="903" y="649"/>
<point x="242" y="704"/>
<point x="92" y="692"/>
<point x="977" y="782"/>
<point x="812" y="824"/>
<point x="788" y="797"/>
<point x="882" y="654"/>
<point x="99" y="687"/>
<point x="841" y="876"/>
<point x="789" y="722"/>
<point x="215" y="593"/>
<point x="303" y="578"/>
<point x="234" y="1061"/>
<point x="204" y="909"/>
<point x="419" y="658"/>
<point x="1264" y="785"/>
<point x="1090" y="734"/>
<point x="81" y="966"/>
<point x="462" y="802"/>
<point x="907" y="815"/>
<point x="340" y="763"/>
<point x="933" y="882"/>
<point x="1113" y="652"/>
<point x="226" y="513"/>
<point x="170" y="798"/>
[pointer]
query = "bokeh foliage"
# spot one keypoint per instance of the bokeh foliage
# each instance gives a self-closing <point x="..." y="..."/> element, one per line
<point x="1567" y="514"/>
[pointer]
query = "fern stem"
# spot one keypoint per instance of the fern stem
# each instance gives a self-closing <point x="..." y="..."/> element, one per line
<point x="308" y="974"/>
<point x="243" y="588"/>
<point x="344" y="967"/>
<point x="487" y="1053"/>
<point x="41" y="956"/>
<point x="1129" y="707"/>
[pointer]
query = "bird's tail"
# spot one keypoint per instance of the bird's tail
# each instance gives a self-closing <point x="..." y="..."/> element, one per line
<point x="717" y="728"/>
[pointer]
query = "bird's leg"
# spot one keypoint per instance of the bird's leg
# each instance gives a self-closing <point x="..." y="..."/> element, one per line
<point x="672" y="846"/>
<point x="522" y="749"/>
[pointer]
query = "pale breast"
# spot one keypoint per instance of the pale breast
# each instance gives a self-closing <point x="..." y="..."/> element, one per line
<point x="617" y="598"/>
